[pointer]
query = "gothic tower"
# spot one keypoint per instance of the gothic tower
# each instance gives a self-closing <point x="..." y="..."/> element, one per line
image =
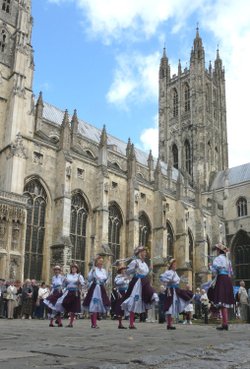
<point x="192" y="116"/>
<point x="16" y="97"/>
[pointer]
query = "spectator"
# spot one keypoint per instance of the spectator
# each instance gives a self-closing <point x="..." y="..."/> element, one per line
<point x="243" y="301"/>
<point x="35" y="288"/>
<point x="161" y="313"/>
<point x="2" y="293"/>
<point x="197" y="304"/>
<point x="18" y="308"/>
<point x="11" y="299"/>
<point x="27" y="301"/>
<point x="204" y="305"/>
<point x="43" y="293"/>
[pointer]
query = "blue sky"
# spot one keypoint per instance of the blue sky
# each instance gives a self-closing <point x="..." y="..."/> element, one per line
<point x="102" y="57"/>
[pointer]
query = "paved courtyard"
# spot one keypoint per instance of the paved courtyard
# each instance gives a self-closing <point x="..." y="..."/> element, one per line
<point x="32" y="344"/>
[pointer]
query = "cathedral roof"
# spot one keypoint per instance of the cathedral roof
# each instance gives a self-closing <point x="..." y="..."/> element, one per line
<point x="233" y="176"/>
<point x="55" y="116"/>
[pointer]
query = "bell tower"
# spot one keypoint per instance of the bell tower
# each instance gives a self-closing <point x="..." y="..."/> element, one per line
<point x="16" y="96"/>
<point x="192" y="116"/>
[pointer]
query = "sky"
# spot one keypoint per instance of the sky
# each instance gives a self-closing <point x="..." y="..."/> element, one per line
<point x="102" y="58"/>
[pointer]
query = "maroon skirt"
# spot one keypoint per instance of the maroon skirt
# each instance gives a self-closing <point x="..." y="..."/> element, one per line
<point x="222" y="293"/>
<point x="117" y="309"/>
<point x="88" y="298"/>
<point x="52" y="299"/>
<point x="72" y="302"/>
<point x="147" y="289"/>
<point x="185" y="295"/>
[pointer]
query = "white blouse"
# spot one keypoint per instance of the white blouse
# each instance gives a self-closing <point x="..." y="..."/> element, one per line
<point x="170" y="277"/>
<point x="221" y="264"/>
<point x="73" y="281"/>
<point x="98" y="275"/>
<point x="121" y="282"/>
<point x="138" y="266"/>
<point x="57" y="282"/>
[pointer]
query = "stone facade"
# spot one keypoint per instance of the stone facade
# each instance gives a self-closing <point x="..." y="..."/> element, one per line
<point x="67" y="188"/>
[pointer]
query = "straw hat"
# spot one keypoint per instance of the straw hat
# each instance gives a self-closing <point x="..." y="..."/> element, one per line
<point x="121" y="267"/>
<point x="171" y="262"/>
<point x="221" y="247"/>
<point x="57" y="267"/>
<point x="138" y="249"/>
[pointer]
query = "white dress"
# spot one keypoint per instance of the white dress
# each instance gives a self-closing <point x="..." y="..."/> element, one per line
<point x="71" y="282"/>
<point x="134" y="302"/>
<point x="100" y="277"/>
<point x="171" y="279"/>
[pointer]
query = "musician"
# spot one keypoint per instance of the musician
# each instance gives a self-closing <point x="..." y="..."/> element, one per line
<point x="221" y="292"/>
<point x="55" y="294"/>
<point x="121" y="285"/>
<point x="70" y="301"/>
<point x="140" y="294"/>
<point x="176" y="299"/>
<point x="96" y="300"/>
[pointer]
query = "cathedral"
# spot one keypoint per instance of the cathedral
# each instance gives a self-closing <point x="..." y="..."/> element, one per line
<point x="69" y="190"/>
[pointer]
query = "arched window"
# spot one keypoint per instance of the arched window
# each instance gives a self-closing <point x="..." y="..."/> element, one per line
<point x="34" y="243"/>
<point x="114" y="232"/>
<point x="3" y="41"/>
<point x="78" y="226"/>
<point x="241" y="258"/>
<point x="175" y="156"/>
<point x="175" y="103"/>
<point x="190" y="248"/>
<point x="186" y="98"/>
<point x="144" y="230"/>
<point x="241" y="207"/>
<point x="170" y="240"/>
<point x="6" y="6"/>
<point x="188" y="161"/>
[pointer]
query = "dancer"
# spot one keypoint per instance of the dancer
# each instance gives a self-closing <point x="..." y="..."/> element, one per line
<point x="140" y="294"/>
<point x="55" y="294"/>
<point x="176" y="299"/>
<point x="70" y="301"/>
<point x="221" y="290"/>
<point x="96" y="300"/>
<point x="121" y="284"/>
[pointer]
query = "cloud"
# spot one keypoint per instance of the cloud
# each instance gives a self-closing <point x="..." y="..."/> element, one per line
<point x="135" y="79"/>
<point x="149" y="138"/>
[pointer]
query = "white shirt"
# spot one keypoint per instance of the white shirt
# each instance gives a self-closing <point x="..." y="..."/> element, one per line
<point x="169" y="278"/>
<point x="220" y="264"/>
<point x="73" y="281"/>
<point x="57" y="281"/>
<point x="98" y="275"/>
<point x="121" y="282"/>
<point x="138" y="266"/>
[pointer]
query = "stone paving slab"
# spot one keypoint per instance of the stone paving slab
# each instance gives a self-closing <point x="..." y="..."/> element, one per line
<point x="32" y="344"/>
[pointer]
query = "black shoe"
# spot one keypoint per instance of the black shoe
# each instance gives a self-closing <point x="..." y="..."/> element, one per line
<point x="69" y="326"/>
<point x="51" y="325"/>
<point x="222" y="328"/>
<point x="60" y="325"/>
<point x="132" y="327"/>
<point x="170" y="327"/>
<point x="121" y="327"/>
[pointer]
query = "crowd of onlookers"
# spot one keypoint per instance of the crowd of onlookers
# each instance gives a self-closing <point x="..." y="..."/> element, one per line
<point x="25" y="301"/>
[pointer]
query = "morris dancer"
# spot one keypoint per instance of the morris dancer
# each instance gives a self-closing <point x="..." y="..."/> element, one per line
<point x="140" y="294"/>
<point x="70" y="301"/>
<point x="96" y="300"/>
<point x="121" y="283"/>
<point x="56" y="293"/>
<point x="176" y="299"/>
<point x="221" y="293"/>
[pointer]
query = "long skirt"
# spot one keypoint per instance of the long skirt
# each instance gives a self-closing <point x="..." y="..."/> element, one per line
<point x="51" y="301"/>
<point x="139" y="296"/>
<point x="27" y="306"/>
<point x="70" y="302"/>
<point x="221" y="294"/>
<point x="96" y="300"/>
<point x="176" y="300"/>
<point x="117" y="308"/>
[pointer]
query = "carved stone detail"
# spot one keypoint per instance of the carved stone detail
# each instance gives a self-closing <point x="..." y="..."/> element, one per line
<point x="17" y="148"/>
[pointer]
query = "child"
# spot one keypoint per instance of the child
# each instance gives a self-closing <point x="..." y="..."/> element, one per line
<point x="204" y="305"/>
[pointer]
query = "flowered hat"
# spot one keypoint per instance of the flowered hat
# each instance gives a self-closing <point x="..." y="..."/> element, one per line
<point x="171" y="262"/>
<point x="76" y="266"/>
<point x="57" y="267"/>
<point x="221" y="247"/>
<point x="121" y="267"/>
<point x="138" y="249"/>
